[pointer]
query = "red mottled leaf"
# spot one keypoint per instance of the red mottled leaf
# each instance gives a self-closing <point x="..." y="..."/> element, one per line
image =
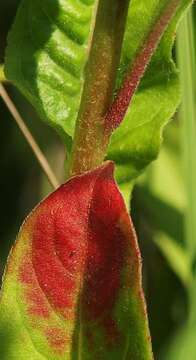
<point x="72" y="289"/>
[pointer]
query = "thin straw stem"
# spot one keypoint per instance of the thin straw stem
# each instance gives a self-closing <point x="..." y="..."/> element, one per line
<point x="29" y="138"/>
<point x="2" y="74"/>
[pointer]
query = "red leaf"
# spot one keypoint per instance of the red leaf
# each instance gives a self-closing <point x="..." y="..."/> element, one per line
<point x="77" y="269"/>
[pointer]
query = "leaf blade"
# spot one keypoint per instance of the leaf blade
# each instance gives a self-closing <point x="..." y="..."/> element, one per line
<point x="75" y="277"/>
<point x="46" y="55"/>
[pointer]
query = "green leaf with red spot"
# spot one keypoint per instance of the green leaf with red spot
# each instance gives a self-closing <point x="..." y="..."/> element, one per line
<point x="72" y="289"/>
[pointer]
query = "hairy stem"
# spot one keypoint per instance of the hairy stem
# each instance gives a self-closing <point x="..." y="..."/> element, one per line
<point x="118" y="109"/>
<point x="90" y="142"/>
<point x="96" y="123"/>
<point x="28" y="136"/>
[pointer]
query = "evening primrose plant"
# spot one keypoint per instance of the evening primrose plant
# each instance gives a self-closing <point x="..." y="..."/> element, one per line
<point x="101" y="74"/>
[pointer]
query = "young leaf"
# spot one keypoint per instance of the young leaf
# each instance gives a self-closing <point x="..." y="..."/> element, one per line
<point x="137" y="141"/>
<point x="72" y="289"/>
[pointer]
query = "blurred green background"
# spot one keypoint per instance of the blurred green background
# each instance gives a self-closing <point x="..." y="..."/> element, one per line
<point x="163" y="204"/>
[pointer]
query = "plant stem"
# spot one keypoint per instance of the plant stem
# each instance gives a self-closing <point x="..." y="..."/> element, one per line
<point x="118" y="109"/>
<point x="93" y="127"/>
<point x="90" y="141"/>
<point x="28" y="136"/>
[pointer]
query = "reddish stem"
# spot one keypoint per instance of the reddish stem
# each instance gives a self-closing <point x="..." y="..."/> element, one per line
<point x="117" y="111"/>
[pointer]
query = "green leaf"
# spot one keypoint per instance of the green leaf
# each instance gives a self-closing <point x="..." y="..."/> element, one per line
<point x="163" y="208"/>
<point x="177" y="257"/>
<point x="48" y="48"/>
<point x="47" y="51"/>
<point x="183" y="343"/>
<point x="187" y="63"/>
<point x="137" y="141"/>
<point x="182" y="346"/>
